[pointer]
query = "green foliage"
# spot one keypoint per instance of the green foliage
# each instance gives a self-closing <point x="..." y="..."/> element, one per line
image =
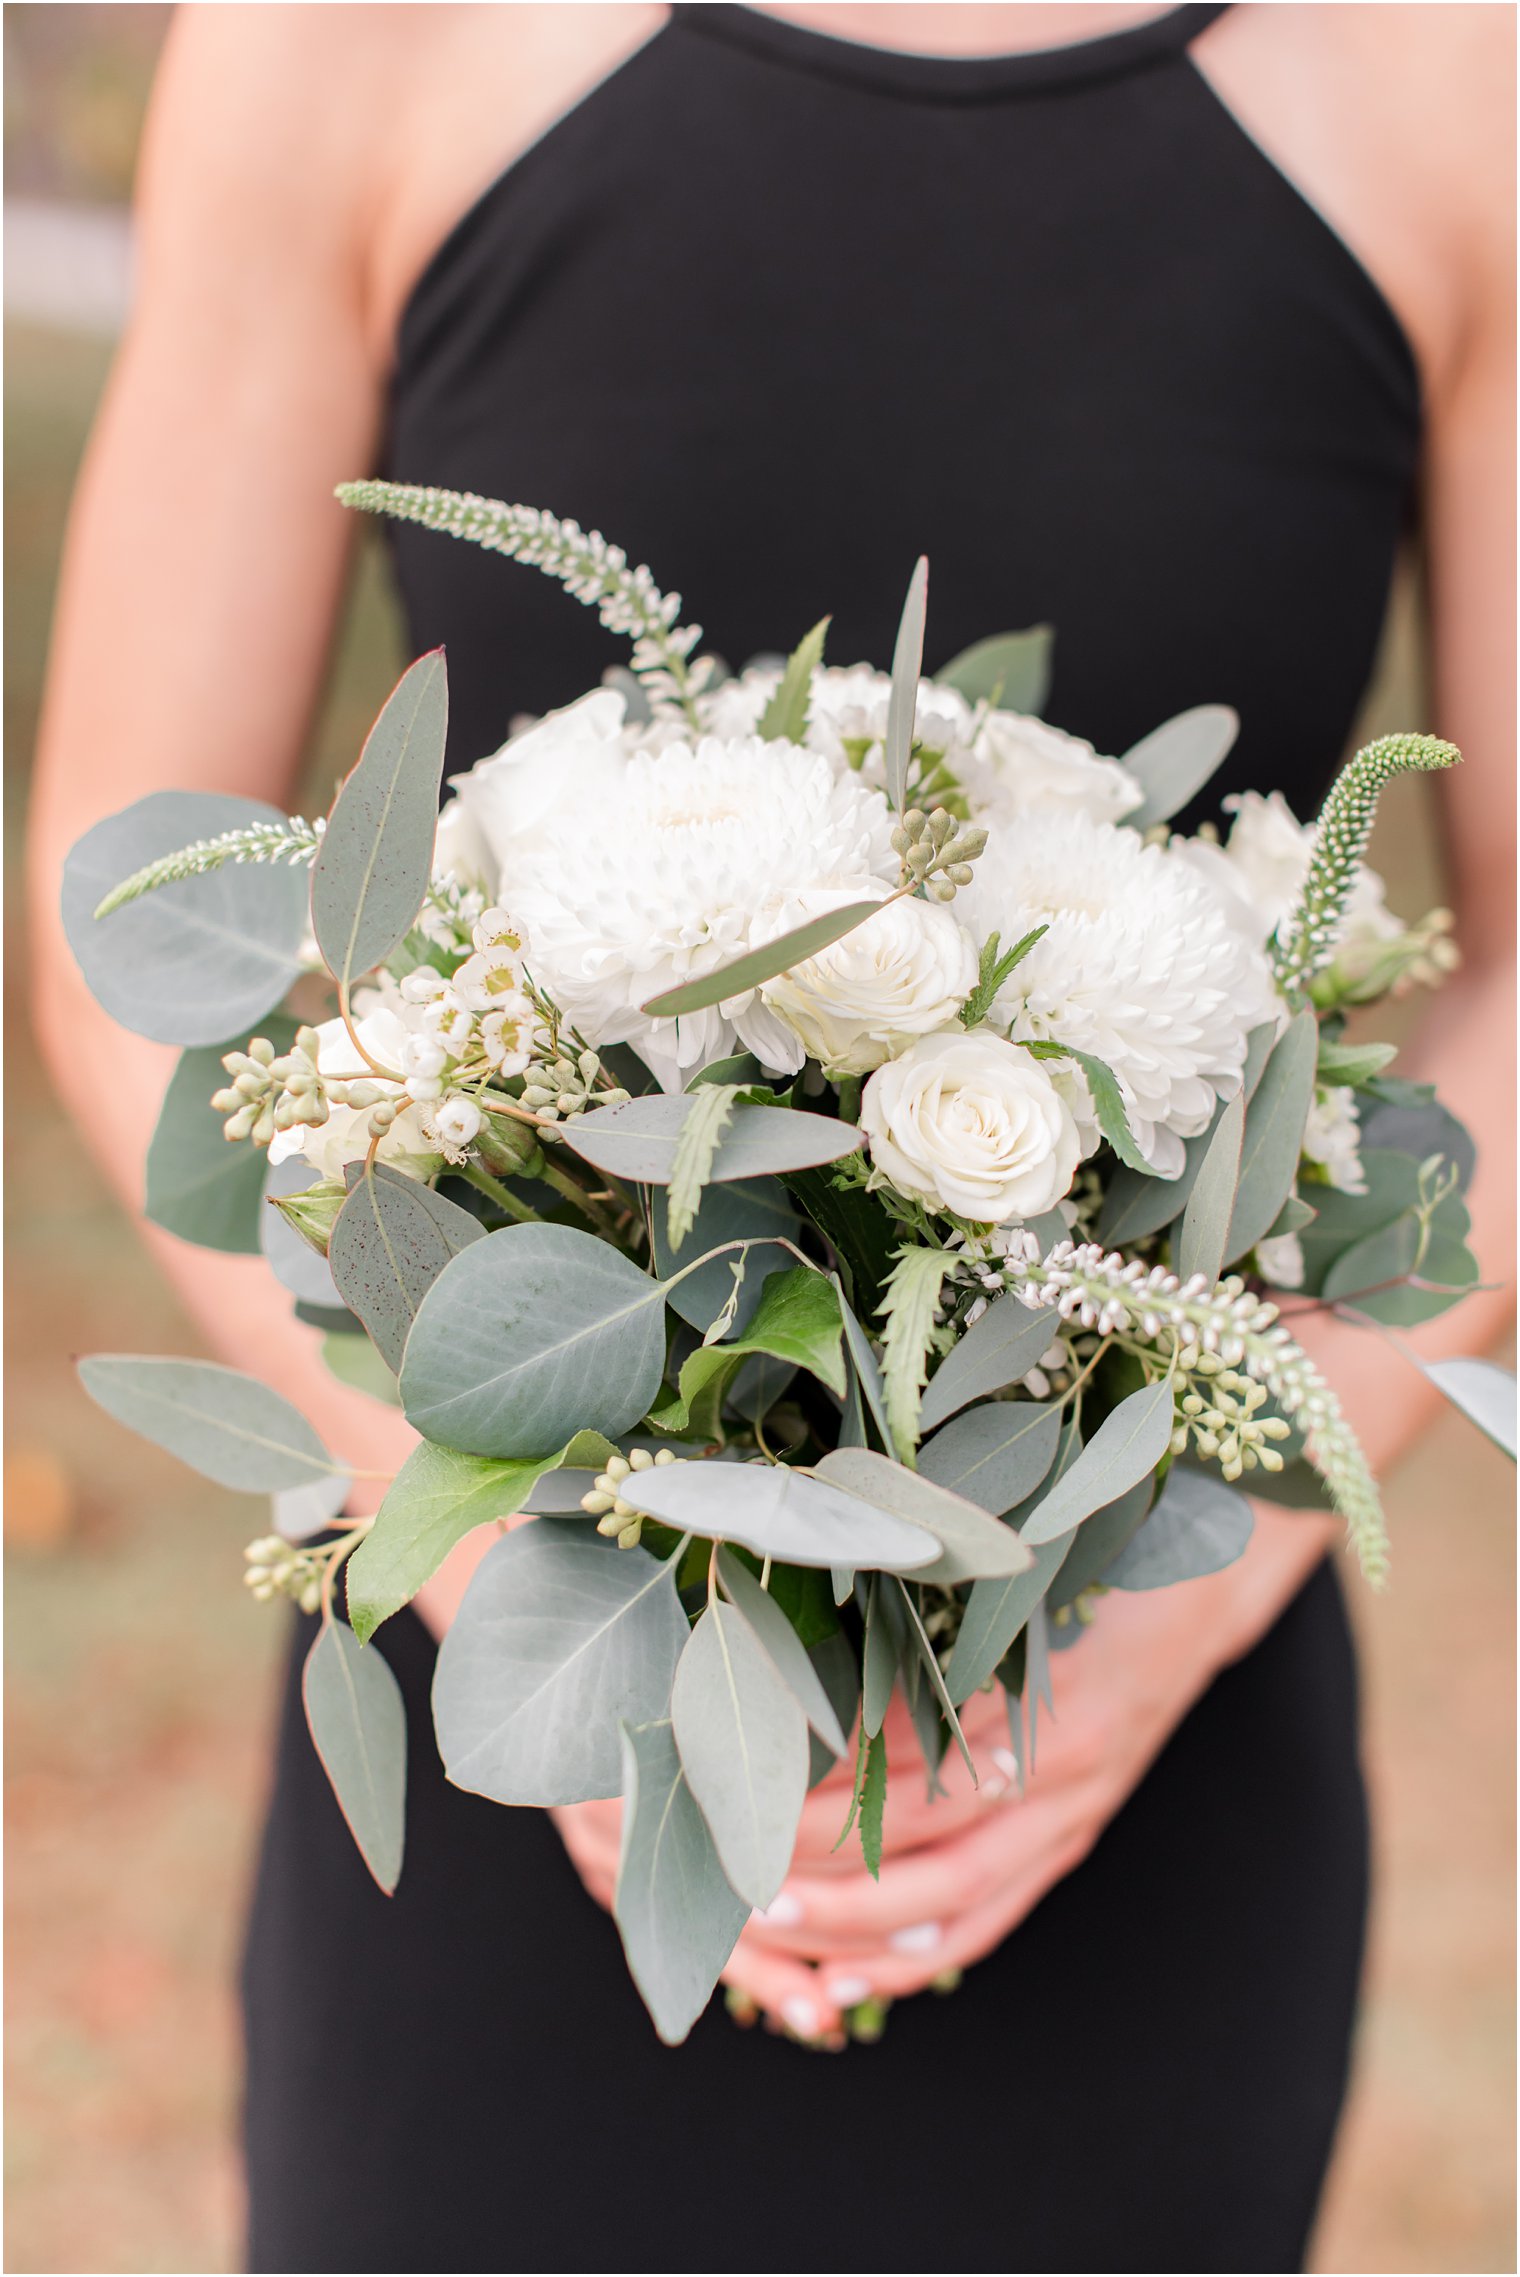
<point x="742" y="1209"/>
<point x="560" y="1637"/>
<point x="777" y="1513"/>
<point x="996" y="1350"/>
<point x="203" y="958"/>
<point x="293" y="841"/>
<point x="225" y="1425"/>
<point x="676" y="1914"/>
<point x="993" y="971"/>
<point x="198" y="1186"/>
<point x="1484" y="1394"/>
<point x="855" y="1226"/>
<point x="1126" y="1447"/>
<point x="357" y="1721"/>
<point x="1107" y="1099"/>
<point x="390" y="1241"/>
<point x="908" y="1310"/>
<point x="712" y="1106"/>
<point x="973" y="1544"/>
<point x="1173" y="763"/>
<point x="1274" y="1136"/>
<point x="902" y="704"/>
<point x="1205" y="1229"/>
<point x="797" y="1319"/>
<point x="1011" y="671"/>
<point x="868" y="1799"/>
<point x="743" y="1744"/>
<point x="371" y="875"/>
<point x="1352" y="1065"/>
<point x="995" y="1455"/>
<point x="530" y="1335"/>
<point x="757" y="966"/>
<point x="1197" y="1526"/>
<point x="775" y="1633"/>
<point x="786" y="715"/>
<point x="640" y="1142"/>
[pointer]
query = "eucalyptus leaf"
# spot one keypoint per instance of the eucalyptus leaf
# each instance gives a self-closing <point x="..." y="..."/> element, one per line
<point x="436" y="1498"/>
<point x="879" y="1659"/>
<point x="1484" y="1393"/>
<point x="201" y="959"/>
<point x="390" y="1241"/>
<point x="530" y="1335"/>
<point x="225" y="1425"/>
<point x="355" y="1362"/>
<point x="1420" y="1128"/>
<point x="1098" y="1541"/>
<point x="757" y="966"/>
<point x="743" y="1744"/>
<point x="785" y="717"/>
<point x="778" y="1513"/>
<point x="1011" y="670"/>
<point x="639" y="1142"/>
<point x="867" y="1372"/>
<point x="1274" y="1135"/>
<point x="1206" y="1218"/>
<point x="296" y="1513"/>
<point x="996" y="1350"/>
<point x="199" y="1186"/>
<point x="289" y="1256"/>
<point x="677" y="1917"/>
<point x="1198" y="1525"/>
<point x="357" y="1721"/>
<point x="1173" y="763"/>
<point x="996" y="1613"/>
<point x="973" y="1543"/>
<point x="902" y="704"/>
<point x="561" y="1636"/>
<point x="744" y="1209"/>
<point x="1352" y="1065"/>
<point x="838" y="1671"/>
<point x="1126" y="1447"/>
<point x="786" y="1649"/>
<point x="995" y="1455"/>
<point x="371" y="874"/>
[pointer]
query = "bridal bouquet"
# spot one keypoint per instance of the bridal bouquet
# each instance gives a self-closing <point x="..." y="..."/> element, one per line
<point x="819" y="1144"/>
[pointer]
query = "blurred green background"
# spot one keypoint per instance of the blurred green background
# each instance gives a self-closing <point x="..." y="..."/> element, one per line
<point x="140" y="1677"/>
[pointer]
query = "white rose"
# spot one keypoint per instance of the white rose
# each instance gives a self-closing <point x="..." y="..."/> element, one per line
<point x="971" y="1124"/>
<point x="345" y="1136"/>
<point x="1021" y="765"/>
<point x="567" y="762"/>
<point x="460" y="849"/>
<point x="904" y="973"/>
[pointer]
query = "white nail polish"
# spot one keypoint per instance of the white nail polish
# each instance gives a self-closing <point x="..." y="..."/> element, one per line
<point x="1006" y="1761"/>
<point x="783" y="1912"/>
<point x="918" y="1937"/>
<point x="848" y="1992"/>
<point x="801" y="2015"/>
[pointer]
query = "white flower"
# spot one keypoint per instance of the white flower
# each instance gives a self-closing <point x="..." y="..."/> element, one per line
<point x="459" y="849"/>
<point x="1280" y="1261"/>
<point x="1332" y="1138"/>
<point x="457" y="1123"/>
<point x="569" y="760"/>
<point x="867" y="997"/>
<point x="847" y="713"/>
<point x="1141" y="966"/>
<point x="680" y="862"/>
<point x="973" y="1125"/>
<point x="345" y="1136"/>
<point x="1020" y="765"/>
<point x="1262" y="866"/>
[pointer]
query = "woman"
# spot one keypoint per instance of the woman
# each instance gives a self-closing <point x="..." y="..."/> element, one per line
<point x="1150" y="322"/>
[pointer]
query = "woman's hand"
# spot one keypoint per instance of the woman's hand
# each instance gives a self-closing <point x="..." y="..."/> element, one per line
<point x="959" y="1873"/>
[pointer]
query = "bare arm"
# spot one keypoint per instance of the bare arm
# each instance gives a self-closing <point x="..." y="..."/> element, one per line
<point x="205" y="561"/>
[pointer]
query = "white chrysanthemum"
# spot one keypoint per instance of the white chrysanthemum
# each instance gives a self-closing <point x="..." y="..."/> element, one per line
<point x="847" y="713"/>
<point x="1141" y="966"/>
<point x="683" y="861"/>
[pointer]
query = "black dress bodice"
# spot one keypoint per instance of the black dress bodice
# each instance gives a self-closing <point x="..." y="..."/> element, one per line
<point x="777" y="312"/>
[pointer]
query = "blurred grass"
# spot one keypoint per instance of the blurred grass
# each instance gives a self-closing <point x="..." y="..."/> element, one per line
<point x="140" y="1676"/>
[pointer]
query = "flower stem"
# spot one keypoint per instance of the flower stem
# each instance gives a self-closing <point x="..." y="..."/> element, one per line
<point x="480" y="1178"/>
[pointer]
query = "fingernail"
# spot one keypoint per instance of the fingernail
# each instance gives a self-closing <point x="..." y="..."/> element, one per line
<point x="848" y="1992"/>
<point x="783" y="1912"/>
<point x="801" y="2015"/>
<point x="1006" y="1761"/>
<point x="918" y="1937"/>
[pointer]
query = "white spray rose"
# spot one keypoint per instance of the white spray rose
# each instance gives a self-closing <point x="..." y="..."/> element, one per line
<point x="345" y="1136"/>
<point x="1260" y="871"/>
<point x="901" y="975"/>
<point x="971" y="1124"/>
<point x="1022" y="766"/>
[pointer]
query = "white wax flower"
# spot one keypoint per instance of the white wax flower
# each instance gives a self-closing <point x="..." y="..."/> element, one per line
<point x="1281" y="1261"/>
<point x="1141" y="965"/>
<point x="680" y="862"/>
<point x="345" y="1136"/>
<point x="1332" y="1138"/>
<point x="864" y="999"/>
<point x="1020" y="765"/>
<point x="457" y="1121"/>
<point x="973" y="1125"/>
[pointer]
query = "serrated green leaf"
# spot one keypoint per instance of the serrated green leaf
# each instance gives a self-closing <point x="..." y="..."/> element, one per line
<point x="994" y="969"/>
<point x="873" y="1804"/>
<point x="1107" y="1099"/>
<point x="908" y="1311"/>
<point x="712" y="1107"/>
<point x="785" y="717"/>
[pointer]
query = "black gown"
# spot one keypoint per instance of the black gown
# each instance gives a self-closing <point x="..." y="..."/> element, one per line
<point x="778" y="312"/>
